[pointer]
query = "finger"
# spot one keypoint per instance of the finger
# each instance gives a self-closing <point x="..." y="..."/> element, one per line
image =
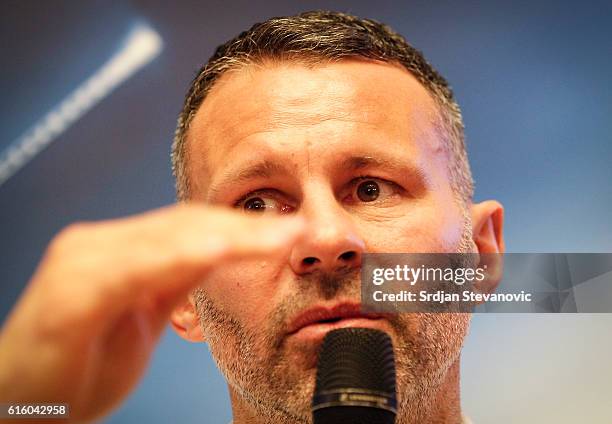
<point x="111" y="265"/>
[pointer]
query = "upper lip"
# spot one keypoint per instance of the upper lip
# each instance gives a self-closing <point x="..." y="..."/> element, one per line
<point x="322" y="313"/>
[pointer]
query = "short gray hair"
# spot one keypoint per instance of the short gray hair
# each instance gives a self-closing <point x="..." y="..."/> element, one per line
<point x="316" y="37"/>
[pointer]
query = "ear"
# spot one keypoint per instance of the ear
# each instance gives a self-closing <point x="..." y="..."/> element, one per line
<point x="184" y="320"/>
<point x="487" y="233"/>
<point x="487" y="226"/>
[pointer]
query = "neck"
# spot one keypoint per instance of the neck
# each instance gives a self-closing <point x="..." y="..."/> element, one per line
<point x="439" y="405"/>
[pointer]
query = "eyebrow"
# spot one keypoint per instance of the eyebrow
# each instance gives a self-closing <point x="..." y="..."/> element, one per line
<point x="355" y="163"/>
<point x="264" y="169"/>
<point x="407" y="167"/>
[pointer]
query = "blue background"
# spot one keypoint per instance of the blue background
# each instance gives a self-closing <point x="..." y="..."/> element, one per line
<point x="533" y="80"/>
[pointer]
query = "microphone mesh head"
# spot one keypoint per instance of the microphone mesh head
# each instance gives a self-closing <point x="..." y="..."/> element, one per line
<point x="360" y="358"/>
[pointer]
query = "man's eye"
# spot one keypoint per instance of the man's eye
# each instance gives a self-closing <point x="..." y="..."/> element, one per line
<point x="255" y="204"/>
<point x="368" y="191"/>
<point x="260" y="203"/>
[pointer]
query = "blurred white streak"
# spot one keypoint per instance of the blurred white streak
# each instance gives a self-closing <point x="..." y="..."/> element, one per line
<point x="142" y="45"/>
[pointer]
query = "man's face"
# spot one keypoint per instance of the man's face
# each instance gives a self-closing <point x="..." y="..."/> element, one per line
<point x="352" y="147"/>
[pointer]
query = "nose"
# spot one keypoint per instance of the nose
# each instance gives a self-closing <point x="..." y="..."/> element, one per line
<point x="331" y="241"/>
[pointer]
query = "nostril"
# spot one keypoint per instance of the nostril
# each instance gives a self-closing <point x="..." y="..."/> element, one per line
<point x="347" y="256"/>
<point x="309" y="260"/>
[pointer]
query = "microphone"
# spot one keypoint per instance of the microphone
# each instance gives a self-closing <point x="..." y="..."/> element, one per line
<point x="355" y="378"/>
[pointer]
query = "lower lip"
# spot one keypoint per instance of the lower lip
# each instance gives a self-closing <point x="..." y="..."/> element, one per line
<point x="316" y="332"/>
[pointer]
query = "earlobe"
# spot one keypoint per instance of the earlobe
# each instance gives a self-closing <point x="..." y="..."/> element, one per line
<point x="185" y="322"/>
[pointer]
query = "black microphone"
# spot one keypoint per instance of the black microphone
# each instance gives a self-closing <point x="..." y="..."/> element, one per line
<point x="355" y="378"/>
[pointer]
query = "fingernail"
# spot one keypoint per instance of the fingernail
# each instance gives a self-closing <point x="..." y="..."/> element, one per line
<point x="292" y="225"/>
<point x="284" y="229"/>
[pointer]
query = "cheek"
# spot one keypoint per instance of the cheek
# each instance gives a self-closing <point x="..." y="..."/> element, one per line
<point x="450" y="227"/>
<point x="243" y="289"/>
<point x="430" y="226"/>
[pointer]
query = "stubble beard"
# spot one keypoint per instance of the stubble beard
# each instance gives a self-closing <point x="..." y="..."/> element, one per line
<point x="260" y="370"/>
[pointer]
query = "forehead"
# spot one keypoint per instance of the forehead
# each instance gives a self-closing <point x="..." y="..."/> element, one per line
<point x="289" y="105"/>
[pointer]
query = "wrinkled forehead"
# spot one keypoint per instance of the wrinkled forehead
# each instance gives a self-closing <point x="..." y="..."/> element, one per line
<point x="291" y="98"/>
